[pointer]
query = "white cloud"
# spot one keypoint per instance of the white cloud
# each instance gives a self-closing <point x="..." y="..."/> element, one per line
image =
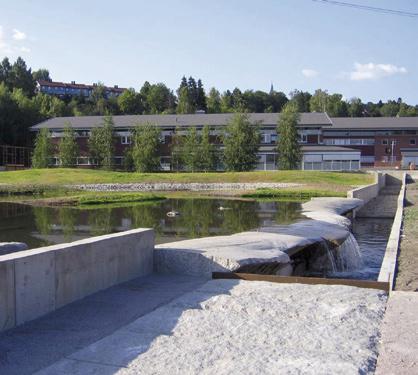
<point x="9" y="46"/>
<point x="373" y="71"/>
<point x="18" y="35"/>
<point x="309" y="73"/>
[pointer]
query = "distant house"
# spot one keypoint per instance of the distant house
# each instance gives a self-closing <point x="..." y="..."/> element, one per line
<point x="62" y="89"/>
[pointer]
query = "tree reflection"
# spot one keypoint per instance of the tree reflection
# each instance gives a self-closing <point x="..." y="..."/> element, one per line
<point x="43" y="219"/>
<point x="68" y="219"/>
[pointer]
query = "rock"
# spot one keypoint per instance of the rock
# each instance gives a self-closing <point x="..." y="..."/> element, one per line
<point x="11" y="247"/>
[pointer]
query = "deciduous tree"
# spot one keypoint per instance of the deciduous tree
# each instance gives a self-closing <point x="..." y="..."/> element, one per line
<point x="288" y="147"/>
<point x="146" y="139"/>
<point x="101" y="143"/>
<point x="68" y="147"/>
<point x="241" y="144"/>
<point x="42" y="152"/>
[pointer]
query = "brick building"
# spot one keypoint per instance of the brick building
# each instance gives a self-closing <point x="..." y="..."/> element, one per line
<point x="327" y="143"/>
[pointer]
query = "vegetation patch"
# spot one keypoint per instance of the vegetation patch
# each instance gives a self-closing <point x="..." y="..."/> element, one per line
<point x="114" y="198"/>
<point x="302" y="194"/>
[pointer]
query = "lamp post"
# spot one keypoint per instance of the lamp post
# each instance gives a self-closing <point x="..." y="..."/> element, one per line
<point x="393" y="146"/>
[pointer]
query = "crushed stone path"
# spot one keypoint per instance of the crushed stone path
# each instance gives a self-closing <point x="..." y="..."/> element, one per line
<point x="399" y="341"/>
<point x="244" y="327"/>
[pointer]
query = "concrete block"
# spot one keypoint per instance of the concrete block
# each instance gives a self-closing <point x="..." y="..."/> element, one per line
<point x="7" y="295"/>
<point x="88" y="266"/>
<point x="35" y="286"/>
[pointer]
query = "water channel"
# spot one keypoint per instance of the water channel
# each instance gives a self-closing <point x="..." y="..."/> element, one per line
<point x="42" y="226"/>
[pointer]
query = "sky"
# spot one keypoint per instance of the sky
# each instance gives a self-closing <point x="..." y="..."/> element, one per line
<point x="294" y="44"/>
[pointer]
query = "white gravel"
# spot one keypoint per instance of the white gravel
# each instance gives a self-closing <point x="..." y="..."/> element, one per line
<point x="168" y="186"/>
<point x="243" y="327"/>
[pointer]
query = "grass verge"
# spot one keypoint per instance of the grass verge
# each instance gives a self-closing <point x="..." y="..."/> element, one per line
<point x="298" y="194"/>
<point x="70" y="176"/>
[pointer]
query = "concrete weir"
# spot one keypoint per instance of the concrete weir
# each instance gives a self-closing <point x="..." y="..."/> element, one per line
<point x="275" y="244"/>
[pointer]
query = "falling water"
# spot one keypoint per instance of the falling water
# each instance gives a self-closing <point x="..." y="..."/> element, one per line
<point x="330" y="256"/>
<point x="348" y="255"/>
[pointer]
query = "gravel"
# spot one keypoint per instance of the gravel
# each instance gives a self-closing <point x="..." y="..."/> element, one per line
<point x="167" y="186"/>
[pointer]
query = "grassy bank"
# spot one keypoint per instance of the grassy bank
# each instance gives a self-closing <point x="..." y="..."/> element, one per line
<point x="61" y="176"/>
<point x="297" y="194"/>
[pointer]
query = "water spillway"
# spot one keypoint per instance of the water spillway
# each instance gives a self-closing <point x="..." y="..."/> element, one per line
<point x="269" y="244"/>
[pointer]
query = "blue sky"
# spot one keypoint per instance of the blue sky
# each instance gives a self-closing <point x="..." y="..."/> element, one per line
<point x="296" y="44"/>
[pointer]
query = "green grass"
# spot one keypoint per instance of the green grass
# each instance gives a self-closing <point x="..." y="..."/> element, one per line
<point x="61" y="176"/>
<point x="115" y="198"/>
<point x="297" y="194"/>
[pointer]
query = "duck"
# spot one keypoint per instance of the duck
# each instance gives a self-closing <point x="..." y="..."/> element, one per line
<point x="173" y="213"/>
<point x="221" y="208"/>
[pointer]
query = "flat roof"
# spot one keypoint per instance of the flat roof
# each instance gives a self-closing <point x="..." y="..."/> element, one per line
<point x="365" y="123"/>
<point x="216" y="119"/>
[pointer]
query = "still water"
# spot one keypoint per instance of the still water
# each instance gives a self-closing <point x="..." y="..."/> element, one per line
<point x="41" y="226"/>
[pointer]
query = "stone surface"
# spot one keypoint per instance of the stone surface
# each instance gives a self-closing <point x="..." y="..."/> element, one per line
<point x="11" y="247"/>
<point x="241" y="327"/>
<point x="41" y="342"/>
<point x="399" y="342"/>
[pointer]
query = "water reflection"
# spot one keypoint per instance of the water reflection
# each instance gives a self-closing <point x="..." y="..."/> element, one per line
<point x="39" y="226"/>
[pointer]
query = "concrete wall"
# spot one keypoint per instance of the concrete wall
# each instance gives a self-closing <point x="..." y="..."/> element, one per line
<point x="367" y="193"/>
<point x="388" y="268"/>
<point x="38" y="281"/>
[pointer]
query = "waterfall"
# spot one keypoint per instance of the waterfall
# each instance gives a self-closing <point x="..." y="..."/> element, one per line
<point x="330" y="256"/>
<point x="348" y="255"/>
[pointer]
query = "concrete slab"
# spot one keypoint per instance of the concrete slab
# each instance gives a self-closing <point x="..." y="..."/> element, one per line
<point x="237" y="327"/>
<point x="37" y="344"/>
<point x="399" y="341"/>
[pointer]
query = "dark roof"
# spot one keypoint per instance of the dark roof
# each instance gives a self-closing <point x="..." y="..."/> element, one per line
<point x="81" y="86"/>
<point x="322" y="148"/>
<point x="217" y="119"/>
<point x="374" y="122"/>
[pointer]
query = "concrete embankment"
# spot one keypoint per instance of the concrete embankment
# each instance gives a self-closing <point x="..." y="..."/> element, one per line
<point x="38" y="281"/>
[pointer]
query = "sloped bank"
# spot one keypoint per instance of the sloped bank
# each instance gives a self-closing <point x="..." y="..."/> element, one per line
<point x="275" y="244"/>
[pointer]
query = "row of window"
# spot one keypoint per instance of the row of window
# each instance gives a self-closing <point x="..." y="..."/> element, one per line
<point x="349" y="142"/>
<point x="386" y="142"/>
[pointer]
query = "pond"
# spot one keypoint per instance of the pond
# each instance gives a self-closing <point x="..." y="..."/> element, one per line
<point x="42" y="226"/>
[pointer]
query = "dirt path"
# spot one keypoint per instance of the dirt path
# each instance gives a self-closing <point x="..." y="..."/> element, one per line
<point x="407" y="278"/>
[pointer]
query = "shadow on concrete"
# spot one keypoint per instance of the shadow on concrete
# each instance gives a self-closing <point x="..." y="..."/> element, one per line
<point x="44" y="341"/>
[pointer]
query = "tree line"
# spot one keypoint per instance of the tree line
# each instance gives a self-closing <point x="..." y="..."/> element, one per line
<point x="234" y="149"/>
<point x="21" y="107"/>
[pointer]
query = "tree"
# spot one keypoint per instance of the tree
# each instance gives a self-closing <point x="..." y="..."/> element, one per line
<point x="176" y="148"/>
<point x="41" y="75"/>
<point x="101" y="143"/>
<point x="200" y="97"/>
<point x="21" y="77"/>
<point x="159" y="99"/>
<point x="390" y="108"/>
<point x="184" y="104"/>
<point x="68" y="148"/>
<point x="355" y="107"/>
<point x="207" y="151"/>
<point x="190" y="150"/>
<point x="146" y="139"/>
<point x="130" y="102"/>
<point x="214" y="101"/>
<point x="42" y="152"/>
<point x="302" y="99"/>
<point x="406" y="110"/>
<point x="318" y="102"/>
<point x="288" y="147"/>
<point x="241" y="143"/>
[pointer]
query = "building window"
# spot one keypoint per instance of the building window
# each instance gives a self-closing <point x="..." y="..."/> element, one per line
<point x="385" y="142"/>
<point x="265" y="138"/>
<point x="303" y="138"/>
<point x="125" y="140"/>
<point x="412" y="142"/>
